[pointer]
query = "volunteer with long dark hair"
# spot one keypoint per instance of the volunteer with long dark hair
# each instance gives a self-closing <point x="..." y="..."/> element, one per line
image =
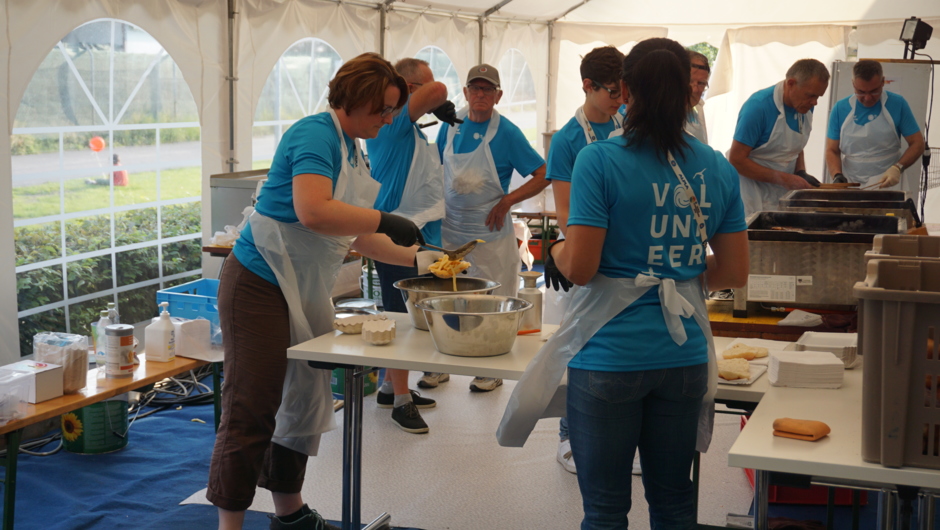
<point x="636" y="339"/>
<point x="275" y="292"/>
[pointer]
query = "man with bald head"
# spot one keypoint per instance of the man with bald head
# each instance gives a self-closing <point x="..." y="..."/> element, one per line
<point x="773" y="128"/>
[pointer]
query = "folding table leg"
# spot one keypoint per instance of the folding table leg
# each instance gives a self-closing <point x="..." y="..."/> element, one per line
<point x="9" y="479"/>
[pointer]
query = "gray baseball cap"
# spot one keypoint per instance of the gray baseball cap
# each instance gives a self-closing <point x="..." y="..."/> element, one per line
<point x="484" y="71"/>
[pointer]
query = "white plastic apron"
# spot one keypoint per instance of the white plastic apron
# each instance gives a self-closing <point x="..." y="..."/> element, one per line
<point x="695" y="125"/>
<point x="779" y="153"/>
<point x="869" y="150"/>
<point x="306" y="264"/>
<point x="423" y="198"/>
<point x="538" y="394"/>
<point x="471" y="190"/>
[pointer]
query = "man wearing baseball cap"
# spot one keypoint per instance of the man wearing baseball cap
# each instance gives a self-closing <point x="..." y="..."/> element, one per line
<point x="479" y="158"/>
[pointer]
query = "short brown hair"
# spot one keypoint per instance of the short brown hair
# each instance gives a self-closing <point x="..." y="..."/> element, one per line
<point x="806" y="69"/>
<point x="602" y="65"/>
<point x="363" y="80"/>
<point x="866" y="70"/>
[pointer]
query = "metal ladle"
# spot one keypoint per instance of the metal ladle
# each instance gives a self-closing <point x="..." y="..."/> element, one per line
<point x="456" y="254"/>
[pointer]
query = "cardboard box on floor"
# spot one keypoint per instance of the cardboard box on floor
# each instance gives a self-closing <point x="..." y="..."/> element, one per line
<point x="45" y="379"/>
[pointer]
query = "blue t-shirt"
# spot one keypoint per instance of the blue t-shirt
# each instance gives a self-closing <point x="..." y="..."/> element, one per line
<point x="390" y="155"/>
<point x="632" y="193"/>
<point x="510" y="148"/>
<point x="905" y="124"/>
<point x="758" y="116"/>
<point x="309" y="146"/>
<point x="567" y="143"/>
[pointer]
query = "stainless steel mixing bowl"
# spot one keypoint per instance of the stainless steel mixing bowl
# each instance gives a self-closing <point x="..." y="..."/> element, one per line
<point x="473" y="325"/>
<point x="413" y="290"/>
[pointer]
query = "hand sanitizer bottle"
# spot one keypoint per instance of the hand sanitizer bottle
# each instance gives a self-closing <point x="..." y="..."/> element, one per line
<point x="160" y="337"/>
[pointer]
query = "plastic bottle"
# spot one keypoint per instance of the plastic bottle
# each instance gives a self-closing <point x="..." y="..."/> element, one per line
<point x="531" y="319"/>
<point x="113" y="313"/>
<point x="101" y="339"/>
<point x="160" y="337"/>
<point x="851" y="47"/>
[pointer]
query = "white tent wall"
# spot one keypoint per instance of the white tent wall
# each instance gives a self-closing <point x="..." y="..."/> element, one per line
<point x="459" y="37"/>
<point x="570" y="43"/>
<point x="194" y="35"/>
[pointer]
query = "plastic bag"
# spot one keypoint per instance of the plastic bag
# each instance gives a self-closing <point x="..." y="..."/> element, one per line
<point x="67" y="350"/>
<point x="802" y="319"/>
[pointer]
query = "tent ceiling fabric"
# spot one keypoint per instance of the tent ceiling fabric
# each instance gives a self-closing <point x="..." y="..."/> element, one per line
<point x="681" y="12"/>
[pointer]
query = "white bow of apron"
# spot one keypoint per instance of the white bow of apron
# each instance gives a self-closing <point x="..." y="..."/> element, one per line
<point x="869" y="150"/>
<point x="779" y="153"/>
<point x="306" y="264"/>
<point x="422" y="200"/>
<point x="471" y="189"/>
<point x="538" y="394"/>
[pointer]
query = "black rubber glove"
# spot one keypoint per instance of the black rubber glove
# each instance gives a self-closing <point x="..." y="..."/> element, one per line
<point x="447" y="113"/>
<point x="839" y="178"/>
<point x="402" y="231"/>
<point x="553" y="277"/>
<point x="807" y="177"/>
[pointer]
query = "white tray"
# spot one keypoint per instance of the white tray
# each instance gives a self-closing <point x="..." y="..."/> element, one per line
<point x="843" y="345"/>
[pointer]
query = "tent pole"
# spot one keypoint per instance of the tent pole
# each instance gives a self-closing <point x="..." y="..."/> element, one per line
<point x="231" y="86"/>
<point x="383" y="19"/>
<point x="481" y="21"/>
<point x="548" y="80"/>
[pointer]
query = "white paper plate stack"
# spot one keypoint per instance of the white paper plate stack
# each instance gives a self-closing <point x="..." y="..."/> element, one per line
<point x="843" y="345"/>
<point x="806" y="369"/>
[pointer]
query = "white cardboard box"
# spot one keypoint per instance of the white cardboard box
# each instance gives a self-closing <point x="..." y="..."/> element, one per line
<point x="45" y="379"/>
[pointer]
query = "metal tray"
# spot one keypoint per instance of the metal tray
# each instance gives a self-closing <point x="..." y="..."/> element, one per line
<point x="847" y="195"/>
<point x="819" y="227"/>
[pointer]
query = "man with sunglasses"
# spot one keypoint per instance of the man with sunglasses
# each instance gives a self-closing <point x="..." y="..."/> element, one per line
<point x="412" y="181"/>
<point x="596" y="120"/>
<point x="864" y="141"/>
<point x="479" y="158"/>
<point x="699" y="82"/>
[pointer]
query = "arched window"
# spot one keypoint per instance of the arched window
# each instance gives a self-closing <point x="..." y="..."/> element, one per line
<point x="518" y="101"/>
<point x="86" y="232"/>
<point x="443" y="69"/>
<point x="296" y="87"/>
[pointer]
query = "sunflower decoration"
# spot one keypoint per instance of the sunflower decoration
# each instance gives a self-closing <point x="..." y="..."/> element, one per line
<point x="71" y="427"/>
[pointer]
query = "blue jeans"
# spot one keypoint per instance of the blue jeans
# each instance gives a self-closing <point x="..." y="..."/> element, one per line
<point x="392" y="300"/>
<point x="611" y="415"/>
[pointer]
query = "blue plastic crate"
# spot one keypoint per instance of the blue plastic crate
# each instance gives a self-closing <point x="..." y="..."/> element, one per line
<point x="192" y="300"/>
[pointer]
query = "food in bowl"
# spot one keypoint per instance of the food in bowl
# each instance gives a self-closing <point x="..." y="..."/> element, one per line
<point x="413" y="290"/>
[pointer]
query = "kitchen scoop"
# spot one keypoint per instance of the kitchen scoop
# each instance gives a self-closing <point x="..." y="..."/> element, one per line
<point x="459" y="252"/>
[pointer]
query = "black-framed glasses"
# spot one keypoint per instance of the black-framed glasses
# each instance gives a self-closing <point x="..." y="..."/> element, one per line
<point x="700" y="84"/>
<point x="614" y="93"/>
<point x="487" y="90"/>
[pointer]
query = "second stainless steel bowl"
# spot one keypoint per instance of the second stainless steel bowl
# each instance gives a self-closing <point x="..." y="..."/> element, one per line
<point x="474" y="325"/>
<point x="413" y="290"/>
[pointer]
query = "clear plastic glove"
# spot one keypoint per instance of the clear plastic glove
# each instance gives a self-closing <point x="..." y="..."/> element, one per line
<point x="447" y="113"/>
<point x="553" y="277"/>
<point x="401" y="231"/>
<point x="807" y="177"/>
<point x="890" y="177"/>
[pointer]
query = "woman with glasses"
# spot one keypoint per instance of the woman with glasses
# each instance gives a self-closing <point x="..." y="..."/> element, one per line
<point x="636" y="340"/>
<point x="275" y="292"/>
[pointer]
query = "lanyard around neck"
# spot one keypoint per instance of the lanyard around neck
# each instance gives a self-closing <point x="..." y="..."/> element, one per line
<point x="693" y="201"/>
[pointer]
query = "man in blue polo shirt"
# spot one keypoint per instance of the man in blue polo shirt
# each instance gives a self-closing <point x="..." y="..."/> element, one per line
<point x="863" y="141"/>
<point x="479" y="157"/>
<point x="412" y="181"/>
<point x="773" y="128"/>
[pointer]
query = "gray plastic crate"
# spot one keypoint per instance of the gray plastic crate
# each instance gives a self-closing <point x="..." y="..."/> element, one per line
<point x="904" y="247"/>
<point x="898" y="335"/>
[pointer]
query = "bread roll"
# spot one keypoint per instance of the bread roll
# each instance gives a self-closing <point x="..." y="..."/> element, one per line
<point x="731" y="369"/>
<point x="743" y="351"/>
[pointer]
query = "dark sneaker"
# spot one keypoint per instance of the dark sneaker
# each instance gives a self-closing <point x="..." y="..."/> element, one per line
<point x="484" y="384"/>
<point x="432" y="379"/>
<point x="409" y="419"/>
<point x="387" y="401"/>
<point x="311" y="520"/>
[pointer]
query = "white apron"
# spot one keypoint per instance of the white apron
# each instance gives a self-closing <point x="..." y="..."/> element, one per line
<point x="471" y="189"/>
<point x="695" y="125"/>
<point x="423" y="198"/>
<point x="869" y="150"/>
<point x="538" y="394"/>
<point x="779" y="153"/>
<point x="306" y="264"/>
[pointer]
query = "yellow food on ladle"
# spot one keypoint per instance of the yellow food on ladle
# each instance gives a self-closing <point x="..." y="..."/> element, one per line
<point x="448" y="268"/>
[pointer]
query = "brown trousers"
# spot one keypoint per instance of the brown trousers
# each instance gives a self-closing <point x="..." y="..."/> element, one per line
<point x="255" y="326"/>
